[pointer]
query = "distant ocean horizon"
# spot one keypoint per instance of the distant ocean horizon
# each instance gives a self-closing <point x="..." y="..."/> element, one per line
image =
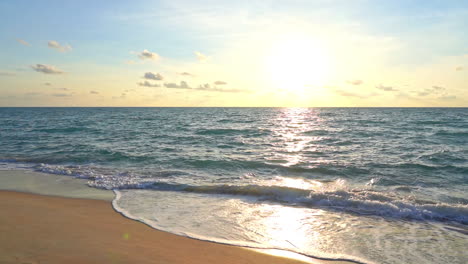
<point x="366" y="184"/>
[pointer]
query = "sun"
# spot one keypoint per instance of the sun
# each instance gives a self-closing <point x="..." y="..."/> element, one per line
<point x="296" y="61"/>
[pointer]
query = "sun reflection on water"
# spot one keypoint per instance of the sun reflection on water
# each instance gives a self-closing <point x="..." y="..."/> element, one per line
<point x="296" y="229"/>
<point x="292" y="127"/>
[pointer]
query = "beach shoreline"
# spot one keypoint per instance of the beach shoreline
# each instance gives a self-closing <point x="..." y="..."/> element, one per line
<point x="45" y="225"/>
<point x="48" y="229"/>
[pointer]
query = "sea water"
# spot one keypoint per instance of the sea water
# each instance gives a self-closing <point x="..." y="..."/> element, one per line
<point x="372" y="185"/>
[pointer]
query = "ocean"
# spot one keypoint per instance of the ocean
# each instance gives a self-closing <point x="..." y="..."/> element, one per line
<point x="370" y="185"/>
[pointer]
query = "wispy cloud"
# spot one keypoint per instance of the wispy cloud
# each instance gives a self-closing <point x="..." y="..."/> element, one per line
<point x="459" y="68"/>
<point x="4" y="73"/>
<point x="148" y="55"/>
<point x="122" y="96"/>
<point x="448" y="97"/>
<point x="153" y="76"/>
<point x="46" y="69"/>
<point x="434" y="90"/>
<point x="62" y="94"/>
<point x="33" y="94"/>
<point x="130" y="62"/>
<point x="148" y="84"/>
<point x="201" y="57"/>
<point x="425" y="93"/>
<point x="93" y="92"/>
<point x="220" y="83"/>
<point x="386" y="88"/>
<point x="23" y="42"/>
<point x="355" y="82"/>
<point x="186" y="74"/>
<point x="348" y="94"/>
<point x="208" y="88"/>
<point x="58" y="47"/>
<point x="438" y="88"/>
<point x="63" y="89"/>
<point x="203" y="87"/>
<point x="47" y="84"/>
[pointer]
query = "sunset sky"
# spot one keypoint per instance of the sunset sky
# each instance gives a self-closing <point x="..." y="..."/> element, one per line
<point x="234" y="53"/>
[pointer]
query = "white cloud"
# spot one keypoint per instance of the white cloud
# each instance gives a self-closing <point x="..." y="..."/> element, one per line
<point x="46" y="69"/>
<point x="201" y="57"/>
<point x="56" y="46"/>
<point x="153" y="76"/>
<point x="145" y="54"/>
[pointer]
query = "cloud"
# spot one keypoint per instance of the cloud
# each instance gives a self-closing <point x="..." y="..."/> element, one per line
<point x="46" y="69"/>
<point x="182" y="85"/>
<point x="203" y="87"/>
<point x="459" y="68"/>
<point x="186" y="74"/>
<point x="355" y="82"/>
<point x="148" y="84"/>
<point x="4" y="73"/>
<point x="152" y="76"/>
<point x="437" y="88"/>
<point x="348" y="94"/>
<point x="23" y="42"/>
<point x="47" y="84"/>
<point x="145" y="54"/>
<point x="220" y="83"/>
<point x="122" y="96"/>
<point x="386" y="88"/>
<point x="201" y="57"/>
<point x="63" y="89"/>
<point x="433" y="90"/>
<point x="33" y="94"/>
<point x="62" y="95"/>
<point x="448" y="97"/>
<point x="56" y="46"/>
<point x="207" y="87"/>
<point x="93" y="92"/>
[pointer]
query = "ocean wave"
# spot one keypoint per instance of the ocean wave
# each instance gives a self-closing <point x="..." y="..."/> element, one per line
<point x="365" y="202"/>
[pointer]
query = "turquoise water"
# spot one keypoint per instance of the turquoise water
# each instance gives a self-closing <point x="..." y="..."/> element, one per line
<point x="374" y="185"/>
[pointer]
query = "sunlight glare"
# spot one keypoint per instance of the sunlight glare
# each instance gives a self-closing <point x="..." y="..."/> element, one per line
<point x="296" y="61"/>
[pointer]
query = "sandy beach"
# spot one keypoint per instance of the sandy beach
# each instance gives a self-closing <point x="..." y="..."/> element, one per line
<point x="47" y="229"/>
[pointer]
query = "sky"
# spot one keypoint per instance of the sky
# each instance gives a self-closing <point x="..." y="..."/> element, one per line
<point x="295" y="53"/>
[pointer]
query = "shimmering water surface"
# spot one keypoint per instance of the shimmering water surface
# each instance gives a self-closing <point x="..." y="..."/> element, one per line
<point x="375" y="185"/>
